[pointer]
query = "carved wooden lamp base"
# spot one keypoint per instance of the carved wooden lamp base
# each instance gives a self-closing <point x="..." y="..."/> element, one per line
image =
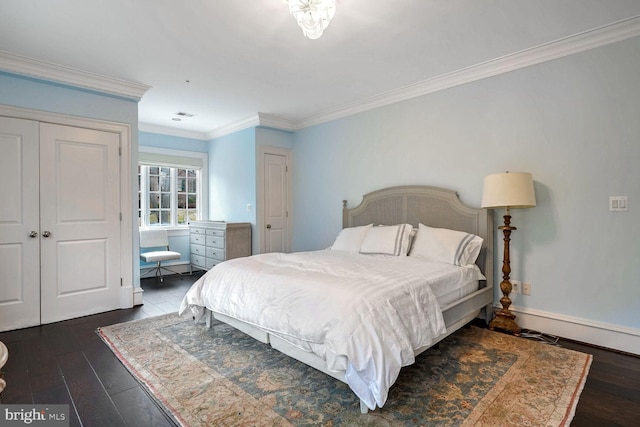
<point x="505" y="321"/>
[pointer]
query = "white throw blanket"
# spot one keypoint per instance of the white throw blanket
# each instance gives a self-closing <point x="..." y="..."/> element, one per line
<point x="365" y="314"/>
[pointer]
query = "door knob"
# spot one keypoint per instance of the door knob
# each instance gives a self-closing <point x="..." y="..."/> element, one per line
<point x="268" y="225"/>
<point x="46" y="233"/>
<point x="33" y="234"/>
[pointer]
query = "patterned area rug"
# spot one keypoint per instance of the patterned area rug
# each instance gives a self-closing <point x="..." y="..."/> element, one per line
<point x="222" y="377"/>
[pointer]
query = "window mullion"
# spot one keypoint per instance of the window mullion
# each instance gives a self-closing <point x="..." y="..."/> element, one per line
<point x="199" y="194"/>
<point x="174" y="197"/>
<point x="144" y="194"/>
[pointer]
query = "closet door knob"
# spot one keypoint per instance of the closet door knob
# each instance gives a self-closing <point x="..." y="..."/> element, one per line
<point x="33" y="234"/>
<point x="46" y="233"/>
<point x="268" y="225"/>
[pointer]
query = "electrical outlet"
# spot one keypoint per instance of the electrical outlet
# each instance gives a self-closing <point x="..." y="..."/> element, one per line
<point x="526" y="288"/>
<point x="516" y="285"/>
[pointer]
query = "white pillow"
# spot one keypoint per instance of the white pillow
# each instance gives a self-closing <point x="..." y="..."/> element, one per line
<point x="350" y="239"/>
<point x="387" y="240"/>
<point x="444" y="245"/>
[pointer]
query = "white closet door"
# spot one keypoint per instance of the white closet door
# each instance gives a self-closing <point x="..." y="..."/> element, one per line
<point x="79" y="222"/>
<point x="19" y="217"/>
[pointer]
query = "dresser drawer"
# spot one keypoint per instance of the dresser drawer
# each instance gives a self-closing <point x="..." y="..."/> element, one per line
<point x="211" y="262"/>
<point x="215" y="241"/>
<point x="195" y="230"/>
<point x="199" y="239"/>
<point x="198" y="261"/>
<point x="216" y="253"/>
<point x="214" y="232"/>
<point x="198" y="249"/>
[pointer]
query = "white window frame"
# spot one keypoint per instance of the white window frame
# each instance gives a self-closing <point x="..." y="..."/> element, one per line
<point x="203" y="182"/>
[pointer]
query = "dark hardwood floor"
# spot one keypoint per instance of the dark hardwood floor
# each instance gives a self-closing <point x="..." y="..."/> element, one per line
<point x="611" y="395"/>
<point x="67" y="363"/>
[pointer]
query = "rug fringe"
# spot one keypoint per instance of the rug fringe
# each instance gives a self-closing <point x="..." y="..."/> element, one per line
<point x="171" y="413"/>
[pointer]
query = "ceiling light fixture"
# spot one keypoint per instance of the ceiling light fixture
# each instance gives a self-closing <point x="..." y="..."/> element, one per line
<point x="313" y="16"/>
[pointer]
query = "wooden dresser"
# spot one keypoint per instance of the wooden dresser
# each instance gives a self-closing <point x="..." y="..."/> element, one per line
<point x="212" y="242"/>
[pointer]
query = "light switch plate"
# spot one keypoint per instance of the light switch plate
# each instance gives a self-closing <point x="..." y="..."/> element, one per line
<point x="618" y="204"/>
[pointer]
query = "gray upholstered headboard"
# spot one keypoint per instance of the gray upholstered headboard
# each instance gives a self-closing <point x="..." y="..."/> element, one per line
<point x="432" y="206"/>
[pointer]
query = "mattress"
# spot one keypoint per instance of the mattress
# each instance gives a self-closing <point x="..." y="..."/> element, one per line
<point x="447" y="296"/>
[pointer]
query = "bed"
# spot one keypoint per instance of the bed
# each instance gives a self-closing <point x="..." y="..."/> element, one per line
<point x="361" y="310"/>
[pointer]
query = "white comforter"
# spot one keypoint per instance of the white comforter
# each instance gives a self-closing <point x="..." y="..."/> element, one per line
<point x="365" y="314"/>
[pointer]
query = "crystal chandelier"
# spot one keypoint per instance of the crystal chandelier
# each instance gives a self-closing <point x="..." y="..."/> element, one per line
<point x="313" y="16"/>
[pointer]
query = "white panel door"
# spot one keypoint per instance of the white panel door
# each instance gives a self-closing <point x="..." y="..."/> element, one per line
<point x="79" y="221"/>
<point x="275" y="203"/>
<point x="19" y="224"/>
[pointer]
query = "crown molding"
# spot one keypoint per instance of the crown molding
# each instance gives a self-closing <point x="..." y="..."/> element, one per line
<point x="43" y="70"/>
<point x="594" y="38"/>
<point x="276" y="122"/>
<point x="166" y="130"/>
<point x="248" y="122"/>
<point x="258" y="119"/>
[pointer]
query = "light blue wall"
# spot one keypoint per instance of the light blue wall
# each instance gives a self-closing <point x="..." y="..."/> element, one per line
<point x="232" y="178"/>
<point x="274" y="138"/>
<point x="572" y="122"/>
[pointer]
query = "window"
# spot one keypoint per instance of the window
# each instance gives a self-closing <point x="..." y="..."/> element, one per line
<point x="170" y="190"/>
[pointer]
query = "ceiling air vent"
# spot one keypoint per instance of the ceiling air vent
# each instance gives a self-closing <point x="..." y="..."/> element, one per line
<point x="183" y="114"/>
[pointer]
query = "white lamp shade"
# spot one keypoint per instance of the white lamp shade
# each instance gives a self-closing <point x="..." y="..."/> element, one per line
<point x="508" y="190"/>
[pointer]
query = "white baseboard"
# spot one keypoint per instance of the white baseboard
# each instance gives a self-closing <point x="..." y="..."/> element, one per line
<point x="125" y="297"/>
<point x="137" y="296"/>
<point x="607" y="335"/>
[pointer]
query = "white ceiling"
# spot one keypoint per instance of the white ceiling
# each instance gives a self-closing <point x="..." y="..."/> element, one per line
<point x="227" y="60"/>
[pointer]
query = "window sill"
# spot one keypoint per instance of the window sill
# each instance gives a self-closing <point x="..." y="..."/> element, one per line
<point x="172" y="231"/>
